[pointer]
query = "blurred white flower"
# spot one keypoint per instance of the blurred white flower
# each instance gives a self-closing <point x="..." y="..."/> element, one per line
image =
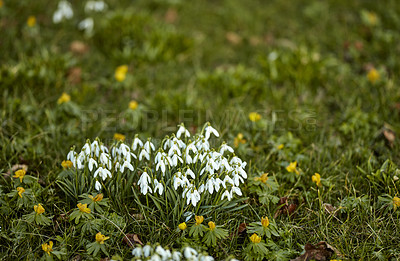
<point x="97" y="186"/>
<point x="96" y="6"/>
<point x="64" y="11"/>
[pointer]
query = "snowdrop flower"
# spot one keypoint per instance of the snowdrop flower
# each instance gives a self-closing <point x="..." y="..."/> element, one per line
<point x="64" y="10"/>
<point x="177" y="181"/>
<point x="143" y="182"/>
<point x="189" y="252"/>
<point x="190" y="173"/>
<point x="146" y="250"/>
<point x="176" y="256"/>
<point x="86" y="149"/>
<point x="174" y="149"/>
<point x="91" y="163"/>
<point x="236" y="190"/>
<point x="124" y="149"/>
<point x="161" y="165"/>
<point x="87" y="25"/>
<point x="210" y="185"/>
<point x="165" y="254"/>
<point x="145" y="154"/>
<point x="206" y="258"/>
<point x="136" y="142"/>
<point x="225" y="147"/>
<point x="95" y="147"/>
<point x="96" y="6"/>
<point x="126" y="164"/>
<point x="71" y="155"/>
<point x="148" y="145"/>
<point x="159" y="186"/>
<point x="227" y="195"/>
<point x="102" y="172"/>
<point x="210" y="130"/>
<point x="97" y="186"/>
<point x="182" y="130"/>
<point x="175" y="159"/>
<point x="137" y="252"/>
<point x="155" y="258"/>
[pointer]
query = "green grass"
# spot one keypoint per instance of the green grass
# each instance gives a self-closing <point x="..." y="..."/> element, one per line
<point x="301" y="65"/>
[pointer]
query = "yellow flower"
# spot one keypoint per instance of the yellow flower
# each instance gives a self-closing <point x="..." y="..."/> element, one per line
<point x="119" y="136"/>
<point x="20" y="191"/>
<point x="182" y="226"/>
<point x="316" y="178"/>
<point x="97" y="198"/>
<point x="31" y="22"/>
<point x="254" y="116"/>
<point x="371" y="18"/>
<point x="20" y="174"/>
<point x="263" y="178"/>
<point x="39" y="209"/>
<point x="373" y="75"/>
<point x="1" y="3"/>
<point x="255" y="238"/>
<point x="100" y="238"/>
<point x="84" y="208"/>
<point x="120" y="73"/>
<point x="133" y="105"/>
<point x="264" y="221"/>
<point x="63" y="98"/>
<point x="47" y="247"/>
<point x="211" y="225"/>
<point x="280" y="146"/>
<point x="396" y="202"/>
<point x="292" y="167"/>
<point x="66" y="164"/>
<point x="199" y="219"/>
<point x="239" y="140"/>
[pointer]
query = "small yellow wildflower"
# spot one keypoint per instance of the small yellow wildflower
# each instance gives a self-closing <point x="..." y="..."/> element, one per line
<point x="239" y="140"/>
<point x="199" y="219"/>
<point x="263" y="178"/>
<point x="371" y="18"/>
<point x="84" y="208"/>
<point x="280" y="146"/>
<point x="255" y="238"/>
<point x="1" y="3"/>
<point x="396" y="202"/>
<point x="254" y="116"/>
<point x="31" y="22"/>
<point x="182" y="226"/>
<point x="48" y="247"/>
<point x="292" y="167"/>
<point x="120" y="73"/>
<point x="264" y="221"/>
<point x="133" y="105"/>
<point x="39" y="209"/>
<point x="316" y="178"/>
<point x="20" y="191"/>
<point x="119" y="136"/>
<point x="211" y="225"/>
<point x="64" y="98"/>
<point x="20" y="174"/>
<point x="373" y="75"/>
<point x="97" y="198"/>
<point x="100" y="238"/>
<point x="66" y="164"/>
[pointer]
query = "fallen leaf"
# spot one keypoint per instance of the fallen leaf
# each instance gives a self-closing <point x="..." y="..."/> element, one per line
<point x="138" y="216"/>
<point x="286" y="207"/>
<point x="331" y="210"/>
<point x="130" y="239"/>
<point x="255" y="40"/>
<point x="171" y="16"/>
<point x="78" y="47"/>
<point x="389" y="136"/>
<point x="319" y="252"/>
<point x="74" y="75"/>
<point x="233" y="38"/>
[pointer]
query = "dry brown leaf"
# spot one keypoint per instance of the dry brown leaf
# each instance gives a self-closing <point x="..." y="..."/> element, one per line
<point x="171" y="15"/>
<point x="389" y="136"/>
<point x="319" y="252"/>
<point x="78" y="47"/>
<point x="132" y="239"/>
<point x="74" y="75"/>
<point x="331" y="210"/>
<point x="233" y="38"/>
<point x="286" y="206"/>
<point x="138" y="216"/>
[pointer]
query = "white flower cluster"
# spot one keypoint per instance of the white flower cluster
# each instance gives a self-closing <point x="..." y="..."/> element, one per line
<point x="160" y="254"/>
<point x="191" y="166"/>
<point x="64" y="11"/>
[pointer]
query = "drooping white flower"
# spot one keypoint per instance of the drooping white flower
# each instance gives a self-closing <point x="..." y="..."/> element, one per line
<point x="176" y="256"/>
<point x="71" y="155"/>
<point x="146" y="250"/>
<point x="148" y="146"/>
<point x="189" y="252"/>
<point x="64" y="10"/>
<point x="91" y="163"/>
<point x="182" y="130"/>
<point x="96" y="6"/>
<point x="137" y="252"/>
<point x="158" y="186"/>
<point x="136" y="142"/>
<point x="227" y="194"/>
<point x="236" y="190"/>
<point x="225" y="147"/>
<point x="190" y="173"/>
<point x="102" y="172"/>
<point x="143" y="182"/>
<point x="87" y="25"/>
<point x="144" y="153"/>
<point x="210" y="130"/>
<point x="126" y="164"/>
<point x="97" y="186"/>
